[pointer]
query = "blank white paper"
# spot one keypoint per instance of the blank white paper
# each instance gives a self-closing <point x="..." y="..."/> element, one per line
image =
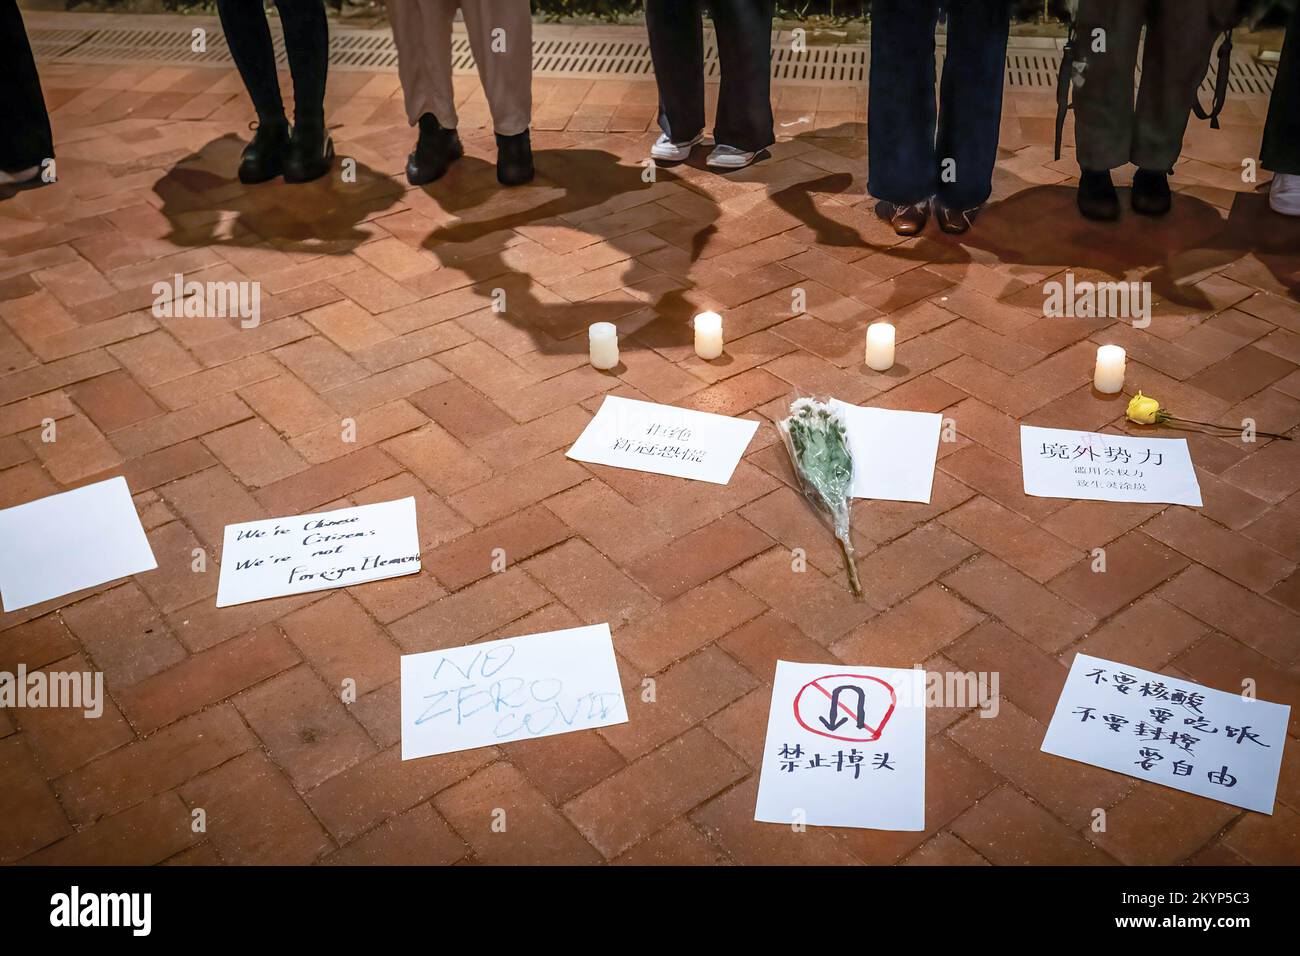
<point x="67" y="542"/>
<point x="893" y="451"/>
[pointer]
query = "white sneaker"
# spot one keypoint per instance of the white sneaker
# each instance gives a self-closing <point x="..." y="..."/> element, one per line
<point x="667" y="151"/>
<point x="729" y="158"/>
<point x="1284" y="194"/>
<point x="23" y="176"/>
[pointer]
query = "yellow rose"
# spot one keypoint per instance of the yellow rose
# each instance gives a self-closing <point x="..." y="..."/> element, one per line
<point x="1143" y="410"/>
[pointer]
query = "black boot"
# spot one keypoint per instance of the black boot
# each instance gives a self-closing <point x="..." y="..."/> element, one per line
<point x="1151" y="194"/>
<point x="263" y="158"/>
<point x="514" y="159"/>
<point x="310" y="154"/>
<point x="1097" y="196"/>
<point x="435" y="151"/>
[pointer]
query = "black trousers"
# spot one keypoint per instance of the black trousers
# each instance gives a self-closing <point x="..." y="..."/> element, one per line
<point x="306" y="42"/>
<point x="25" y="139"/>
<point x="744" y="34"/>
<point x="908" y="163"/>
<point x="1281" y="149"/>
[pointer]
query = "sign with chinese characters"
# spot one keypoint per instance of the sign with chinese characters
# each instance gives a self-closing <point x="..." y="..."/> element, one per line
<point x="1059" y="463"/>
<point x="664" y="440"/>
<point x="845" y="748"/>
<point x="332" y="549"/>
<point x="1171" y="732"/>
<point x="71" y="541"/>
<point x="893" y="451"/>
<point x="520" y="688"/>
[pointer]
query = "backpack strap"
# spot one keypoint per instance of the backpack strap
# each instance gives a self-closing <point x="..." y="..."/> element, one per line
<point x="1063" y="80"/>
<point x="1220" y="84"/>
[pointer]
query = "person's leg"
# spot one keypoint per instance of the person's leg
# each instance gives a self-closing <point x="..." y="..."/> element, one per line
<point x="501" y="35"/>
<point x="26" y="142"/>
<point x="422" y="34"/>
<point x="901" y="106"/>
<point x="1106" y="46"/>
<point x="676" y="30"/>
<point x="249" y="37"/>
<point x="744" y="37"/>
<point x="1281" y="149"/>
<point x="1108" y="35"/>
<point x="307" y="45"/>
<point x="1180" y="39"/>
<point x="970" y="110"/>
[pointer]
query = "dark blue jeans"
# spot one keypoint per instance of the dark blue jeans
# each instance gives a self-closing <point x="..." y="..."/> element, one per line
<point x="907" y="159"/>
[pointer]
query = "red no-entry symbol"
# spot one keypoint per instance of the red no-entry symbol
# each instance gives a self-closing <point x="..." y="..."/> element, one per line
<point x="852" y="707"/>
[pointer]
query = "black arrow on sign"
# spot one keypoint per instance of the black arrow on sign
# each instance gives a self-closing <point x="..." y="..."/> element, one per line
<point x="836" y="721"/>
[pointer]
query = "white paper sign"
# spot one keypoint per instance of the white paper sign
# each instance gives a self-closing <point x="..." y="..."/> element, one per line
<point x="331" y="549"/>
<point x="664" y="440"/>
<point x="893" y="452"/>
<point x="1059" y="463"/>
<point x="67" y="542"/>
<point x="845" y="748"/>
<point x="1170" y="731"/>
<point x="494" y="692"/>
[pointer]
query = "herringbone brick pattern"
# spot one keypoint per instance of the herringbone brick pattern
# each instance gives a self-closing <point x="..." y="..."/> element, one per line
<point x="377" y="306"/>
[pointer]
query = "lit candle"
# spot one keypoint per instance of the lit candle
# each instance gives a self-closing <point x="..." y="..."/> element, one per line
<point x="880" y="346"/>
<point x="708" y="335"/>
<point x="603" y="337"/>
<point x="1109" y="374"/>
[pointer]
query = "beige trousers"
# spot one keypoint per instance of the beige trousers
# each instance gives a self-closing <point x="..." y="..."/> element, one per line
<point x="501" y="38"/>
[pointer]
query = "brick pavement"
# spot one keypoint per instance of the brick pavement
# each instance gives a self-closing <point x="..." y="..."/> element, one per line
<point x="377" y="307"/>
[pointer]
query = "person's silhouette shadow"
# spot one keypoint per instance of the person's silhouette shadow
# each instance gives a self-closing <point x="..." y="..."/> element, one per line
<point x="200" y="192"/>
<point x="576" y="191"/>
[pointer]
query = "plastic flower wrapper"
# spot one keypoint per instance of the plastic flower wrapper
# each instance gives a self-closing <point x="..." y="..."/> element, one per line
<point x="816" y="438"/>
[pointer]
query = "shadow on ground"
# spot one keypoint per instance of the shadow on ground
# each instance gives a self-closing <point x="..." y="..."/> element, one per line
<point x="206" y="205"/>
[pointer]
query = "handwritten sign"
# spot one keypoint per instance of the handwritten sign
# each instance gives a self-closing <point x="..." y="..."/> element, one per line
<point x="1066" y="464"/>
<point x="1170" y="731"/>
<point x="67" y="542"/>
<point x="845" y="748"/>
<point x="495" y="692"/>
<point x="332" y="549"/>
<point x="893" y="451"/>
<point x="681" y="442"/>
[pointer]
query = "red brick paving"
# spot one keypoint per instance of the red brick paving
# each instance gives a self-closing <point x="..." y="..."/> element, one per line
<point x="377" y="307"/>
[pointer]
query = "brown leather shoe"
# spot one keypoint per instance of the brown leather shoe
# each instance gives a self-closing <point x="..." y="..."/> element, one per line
<point x="955" y="221"/>
<point x="907" y="220"/>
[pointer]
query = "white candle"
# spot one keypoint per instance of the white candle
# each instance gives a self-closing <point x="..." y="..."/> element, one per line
<point x="880" y="346"/>
<point x="1109" y="374"/>
<point x="603" y="338"/>
<point x="708" y="335"/>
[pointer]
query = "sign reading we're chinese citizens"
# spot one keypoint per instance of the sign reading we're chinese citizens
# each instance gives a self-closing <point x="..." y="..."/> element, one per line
<point x="1171" y="732"/>
<point x="1059" y="463"/>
